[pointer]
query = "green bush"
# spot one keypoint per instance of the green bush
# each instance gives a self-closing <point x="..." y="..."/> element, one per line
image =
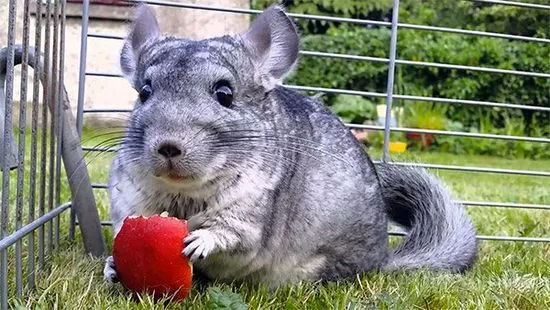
<point x="425" y="115"/>
<point x="354" y="109"/>
<point x="429" y="81"/>
<point x="499" y="147"/>
<point x="348" y="74"/>
<point x="427" y="46"/>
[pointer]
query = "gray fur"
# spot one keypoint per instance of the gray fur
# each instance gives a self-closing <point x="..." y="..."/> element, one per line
<point x="440" y="234"/>
<point x="278" y="190"/>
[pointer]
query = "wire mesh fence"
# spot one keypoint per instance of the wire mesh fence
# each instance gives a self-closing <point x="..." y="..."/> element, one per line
<point x="392" y="62"/>
<point x="34" y="191"/>
<point x="36" y="182"/>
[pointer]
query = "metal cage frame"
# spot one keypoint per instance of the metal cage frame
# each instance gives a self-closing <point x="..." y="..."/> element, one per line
<point x="64" y="130"/>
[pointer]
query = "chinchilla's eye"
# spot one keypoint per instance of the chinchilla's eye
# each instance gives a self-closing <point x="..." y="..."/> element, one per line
<point x="223" y="93"/>
<point x="145" y="92"/>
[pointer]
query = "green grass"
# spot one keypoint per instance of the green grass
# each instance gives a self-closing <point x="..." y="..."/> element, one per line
<point x="507" y="275"/>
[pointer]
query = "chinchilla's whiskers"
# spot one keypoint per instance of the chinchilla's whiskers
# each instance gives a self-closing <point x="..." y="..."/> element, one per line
<point x="87" y="164"/>
<point x="273" y="161"/>
<point x="220" y="124"/>
<point x="201" y="130"/>
<point x="80" y="182"/>
<point x="284" y="140"/>
<point x="104" y="146"/>
<point x="291" y="147"/>
<point x="229" y="136"/>
<point x="122" y="134"/>
<point x="267" y="162"/>
<point x="238" y="143"/>
<point x="240" y="126"/>
<point x="229" y="148"/>
<point x="272" y="134"/>
<point x="130" y="143"/>
<point x="92" y="155"/>
<point x="104" y="134"/>
<point x="110" y="143"/>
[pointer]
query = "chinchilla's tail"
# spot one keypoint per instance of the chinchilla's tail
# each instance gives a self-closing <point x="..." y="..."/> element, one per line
<point x="440" y="235"/>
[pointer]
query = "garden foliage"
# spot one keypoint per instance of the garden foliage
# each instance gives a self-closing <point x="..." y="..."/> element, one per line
<point x="440" y="47"/>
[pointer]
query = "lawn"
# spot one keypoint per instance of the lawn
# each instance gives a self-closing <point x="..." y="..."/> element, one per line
<point x="507" y="275"/>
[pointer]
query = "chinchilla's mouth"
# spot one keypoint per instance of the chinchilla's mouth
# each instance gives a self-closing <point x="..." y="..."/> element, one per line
<point x="172" y="176"/>
<point x="177" y="177"/>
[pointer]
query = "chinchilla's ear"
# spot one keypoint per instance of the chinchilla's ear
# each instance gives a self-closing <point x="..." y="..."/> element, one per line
<point x="273" y="41"/>
<point x="144" y="28"/>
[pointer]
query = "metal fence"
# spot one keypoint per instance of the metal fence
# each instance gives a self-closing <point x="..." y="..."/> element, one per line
<point x="53" y="123"/>
<point x="31" y="184"/>
<point x="392" y="62"/>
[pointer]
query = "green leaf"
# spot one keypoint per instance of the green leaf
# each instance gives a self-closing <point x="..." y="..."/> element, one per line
<point x="219" y="299"/>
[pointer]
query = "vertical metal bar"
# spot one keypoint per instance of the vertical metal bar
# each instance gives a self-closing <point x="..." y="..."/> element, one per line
<point x="391" y="75"/>
<point x="72" y="223"/>
<point x="81" y="90"/>
<point x="6" y="170"/>
<point x="53" y="100"/>
<point x="21" y="150"/>
<point x="34" y="140"/>
<point x="82" y="72"/>
<point x="46" y="97"/>
<point x="58" y="116"/>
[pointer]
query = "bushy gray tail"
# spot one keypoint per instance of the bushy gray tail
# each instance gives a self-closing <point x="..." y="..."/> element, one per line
<point x="440" y="235"/>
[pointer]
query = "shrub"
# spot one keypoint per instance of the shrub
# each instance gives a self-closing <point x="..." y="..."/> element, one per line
<point x="354" y="109"/>
<point x="426" y="46"/>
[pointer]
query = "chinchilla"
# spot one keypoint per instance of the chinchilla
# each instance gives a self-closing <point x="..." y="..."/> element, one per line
<point x="275" y="188"/>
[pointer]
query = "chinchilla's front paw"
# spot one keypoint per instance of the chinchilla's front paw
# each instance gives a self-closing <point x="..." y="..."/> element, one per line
<point x="199" y="244"/>
<point x="109" y="271"/>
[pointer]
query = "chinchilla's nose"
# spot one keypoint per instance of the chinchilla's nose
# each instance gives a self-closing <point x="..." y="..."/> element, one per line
<point x="169" y="150"/>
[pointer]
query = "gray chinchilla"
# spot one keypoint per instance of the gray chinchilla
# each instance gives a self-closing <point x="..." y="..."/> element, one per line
<point x="275" y="188"/>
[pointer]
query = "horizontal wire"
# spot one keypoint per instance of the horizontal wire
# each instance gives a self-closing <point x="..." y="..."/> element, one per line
<point x="99" y="185"/>
<point x="103" y="223"/>
<point x="454" y="133"/>
<point x="474" y="33"/>
<point x="516" y="4"/>
<point x="27" y="229"/>
<point x="382" y="95"/>
<point x="463" y="202"/>
<point x="472" y="102"/>
<point x="504" y="205"/>
<point x="469" y="168"/>
<point x="106" y="110"/>
<point x="398" y="61"/>
<point x="425" y="64"/>
<point x="349" y="20"/>
<point x="418" y="98"/>
<point x="105" y="36"/>
<point x="105" y="74"/>
<point x="435" y="166"/>
<point x="416" y="130"/>
<point x="99" y="149"/>
<point x="254" y="12"/>
<point x="398" y="233"/>
<point x="491" y="238"/>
